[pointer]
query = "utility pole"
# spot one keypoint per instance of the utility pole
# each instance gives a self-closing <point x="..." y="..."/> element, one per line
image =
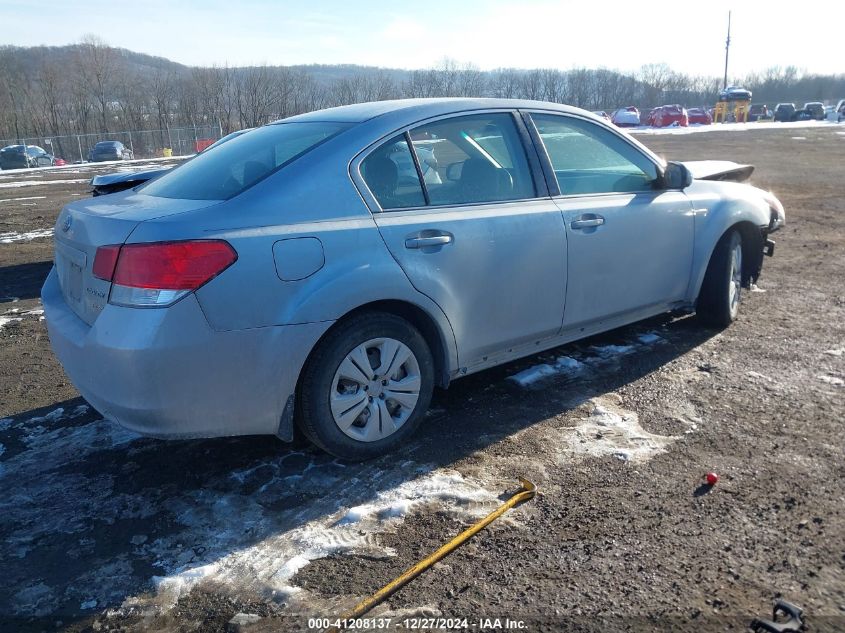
<point x="727" y="50"/>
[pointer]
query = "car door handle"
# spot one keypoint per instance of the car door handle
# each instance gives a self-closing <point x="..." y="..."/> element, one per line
<point x="429" y="240"/>
<point x="586" y="222"/>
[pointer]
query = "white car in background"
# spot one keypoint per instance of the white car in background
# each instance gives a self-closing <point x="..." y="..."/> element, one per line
<point x="626" y="117"/>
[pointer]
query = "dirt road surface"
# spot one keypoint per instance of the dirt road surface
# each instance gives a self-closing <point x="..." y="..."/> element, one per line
<point x="105" y="530"/>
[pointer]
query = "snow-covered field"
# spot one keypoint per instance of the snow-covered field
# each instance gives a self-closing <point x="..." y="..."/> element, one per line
<point x="137" y="164"/>
<point x="733" y="127"/>
<point x="13" y="236"/>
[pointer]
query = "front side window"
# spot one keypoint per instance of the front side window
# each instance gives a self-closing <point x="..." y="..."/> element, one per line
<point x="473" y="159"/>
<point x="240" y="163"/>
<point x="588" y="159"/>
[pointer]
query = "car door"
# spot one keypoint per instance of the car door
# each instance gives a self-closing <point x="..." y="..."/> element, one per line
<point x="630" y="242"/>
<point x="464" y="217"/>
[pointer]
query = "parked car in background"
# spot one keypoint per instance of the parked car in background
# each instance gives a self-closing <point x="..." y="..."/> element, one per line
<point x="59" y="162"/>
<point x="699" y="116"/>
<point x="647" y="117"/>
<point x="758" y="112"/>
<point x="292" y="275"/>
<point x="667" y="115"/>
<point x="104" y="184"/>
<point x="784" y="112"/>
<point x="840" y="111"/>
<point x="735" y="93"/>
<point x="109" y="150"/>
<point x="626" y="117"/>
<point x="20" y="157"/>
<point x="812" y="110"/>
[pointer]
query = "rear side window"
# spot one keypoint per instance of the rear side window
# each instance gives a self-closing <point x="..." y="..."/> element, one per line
<point x="473" y="159"/>
<point x="240" y="163"/>
<point x="587" y="158"/>
<point x="391" y="175"/>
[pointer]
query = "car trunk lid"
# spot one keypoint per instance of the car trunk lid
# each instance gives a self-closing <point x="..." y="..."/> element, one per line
<point x="85" y="225"/>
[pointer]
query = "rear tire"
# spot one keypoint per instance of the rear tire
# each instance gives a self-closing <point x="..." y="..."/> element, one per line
<point x="721" y="291"/>
<point x="366" y="386"/>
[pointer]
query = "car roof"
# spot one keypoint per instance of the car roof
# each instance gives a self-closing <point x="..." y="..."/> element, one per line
<point x="418" y="109"/>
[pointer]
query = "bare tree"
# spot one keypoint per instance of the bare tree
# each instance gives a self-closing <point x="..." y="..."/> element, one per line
<point x="97" y="63"/>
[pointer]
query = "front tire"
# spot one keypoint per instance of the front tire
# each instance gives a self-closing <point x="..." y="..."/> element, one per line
<point x="366" y="386"/>
<point x="721" y="291"/>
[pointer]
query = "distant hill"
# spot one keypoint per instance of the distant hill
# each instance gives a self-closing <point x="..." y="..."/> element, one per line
<point x="63" y="57"/>
<point x="93" y="89"/>
<point x="31" y="57"/>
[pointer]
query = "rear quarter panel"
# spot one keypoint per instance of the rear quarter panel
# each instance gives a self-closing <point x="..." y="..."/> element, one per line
<point x="311" y="198"/>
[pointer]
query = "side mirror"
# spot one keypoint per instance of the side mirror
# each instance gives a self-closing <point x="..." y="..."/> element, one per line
<point x="676" y="176"/>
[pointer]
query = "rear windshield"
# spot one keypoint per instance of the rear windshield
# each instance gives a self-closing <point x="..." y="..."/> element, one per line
<point x="240" y="163"/>
<point x="107" y="144"/>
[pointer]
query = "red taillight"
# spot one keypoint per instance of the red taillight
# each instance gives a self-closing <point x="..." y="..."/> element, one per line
<point x="164" y="265"/>
<point x="104" y="261"/>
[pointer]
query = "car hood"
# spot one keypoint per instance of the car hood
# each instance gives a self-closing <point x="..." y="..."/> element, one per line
<point x="719" y="170"/>
<point x="127" y="176"/>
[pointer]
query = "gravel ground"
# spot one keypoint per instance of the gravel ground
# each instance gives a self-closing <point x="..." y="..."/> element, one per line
<point x="103" y="530"/>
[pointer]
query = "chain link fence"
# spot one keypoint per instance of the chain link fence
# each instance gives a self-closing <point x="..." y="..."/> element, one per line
<point x="178" y="141"/>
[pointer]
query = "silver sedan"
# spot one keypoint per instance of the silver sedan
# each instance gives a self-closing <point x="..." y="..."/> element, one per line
<point x="329" y="270"/>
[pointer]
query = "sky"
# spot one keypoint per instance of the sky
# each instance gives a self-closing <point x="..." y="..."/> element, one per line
<point x="687" y="35"/>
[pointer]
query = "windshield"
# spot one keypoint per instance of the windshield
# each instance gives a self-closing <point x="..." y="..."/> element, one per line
<point x="240" y="163"/>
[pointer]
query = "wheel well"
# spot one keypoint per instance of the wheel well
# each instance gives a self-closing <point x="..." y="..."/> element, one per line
<point x="752" y="251"/>
<point x="421" y="320"/>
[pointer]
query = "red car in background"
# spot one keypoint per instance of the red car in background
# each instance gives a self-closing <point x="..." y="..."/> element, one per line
<point x="647" y="117"/>
<point x="699" y="116"/>
<point x="667" y="115"/>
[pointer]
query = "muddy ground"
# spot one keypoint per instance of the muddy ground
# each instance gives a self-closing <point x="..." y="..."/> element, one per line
<point x="103" y="530"/>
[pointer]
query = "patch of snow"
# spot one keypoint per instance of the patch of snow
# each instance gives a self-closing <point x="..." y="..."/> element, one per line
<point x="607" y="351"/>
<point x="5" y="320"/>
<point x="29" y="198"/>
<point x="170" y="588"/>
<point x="54" y="416"/>
<point x="799" y="138"/>
<point x="835" y="352"/>
<point x="563" y="365"/>
<point x="36" y="600"/>
<point x="533" y="374"/>
<point x="610" y="430"/>
<point x="733" y="127"/>
<point x="31" y="183"/>
<point x="831" y="380"/>
<point x="13" y="236"/>
<point x="649" y="338"/>
<point x="269" y="565"/>
<point x="567" y="364"/>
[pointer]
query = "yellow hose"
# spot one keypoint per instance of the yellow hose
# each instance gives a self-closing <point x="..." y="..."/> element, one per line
<point x="527" y="492"/>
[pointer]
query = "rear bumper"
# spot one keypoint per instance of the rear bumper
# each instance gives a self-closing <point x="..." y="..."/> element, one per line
<point x="166" y="373"/>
